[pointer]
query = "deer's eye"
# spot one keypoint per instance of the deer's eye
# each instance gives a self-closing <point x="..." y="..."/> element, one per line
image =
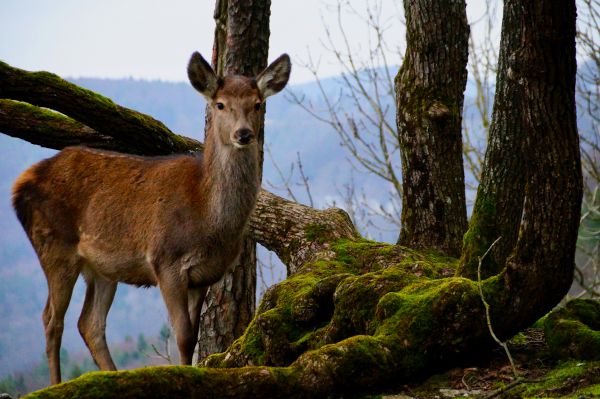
<point x="257" y="106"/>
<point x="220" y="106"/>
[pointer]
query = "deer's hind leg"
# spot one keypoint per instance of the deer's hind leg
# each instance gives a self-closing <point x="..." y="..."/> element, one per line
<point x="92" y="322"/>
<point x="61" y="275"/>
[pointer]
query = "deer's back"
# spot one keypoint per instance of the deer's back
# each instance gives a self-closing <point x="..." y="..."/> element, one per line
<point x="111" y="208"/>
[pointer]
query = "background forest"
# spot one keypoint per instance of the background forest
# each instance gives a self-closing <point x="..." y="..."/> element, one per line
<point x="314" y="155"/>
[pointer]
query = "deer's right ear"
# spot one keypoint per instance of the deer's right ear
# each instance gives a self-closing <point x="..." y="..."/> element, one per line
<point x="202" y="76"/>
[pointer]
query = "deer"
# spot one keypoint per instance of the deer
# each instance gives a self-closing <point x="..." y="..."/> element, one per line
<point x="176" y="222"/>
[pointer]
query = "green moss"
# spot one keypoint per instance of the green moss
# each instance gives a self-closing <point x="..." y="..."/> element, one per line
<point x="519" y="339"/>
<point x="370" y="256"/>
<point x="567" y="378"/>
<point x="540" y="322"/>
<point x="591" y="390"/>
<point x="175" y="382"/>
<point x="483" y="231"/>
<point x="574" y="330"/>
<point x="319" y="233"/>
<point x="125" y="384"/>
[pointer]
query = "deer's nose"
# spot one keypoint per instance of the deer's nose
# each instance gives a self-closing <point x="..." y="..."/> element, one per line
<point x="244" y="136"/>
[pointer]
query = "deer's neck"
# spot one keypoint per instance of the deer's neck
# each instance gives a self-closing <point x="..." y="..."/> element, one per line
<point x="231" y="183"/>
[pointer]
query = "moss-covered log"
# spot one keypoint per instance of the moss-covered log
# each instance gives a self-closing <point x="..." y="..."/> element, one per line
<point x="356" y="288"/>
<point x="47" y="90"/>
<point x="51" y="129"/>
<point x="365" y="317"/>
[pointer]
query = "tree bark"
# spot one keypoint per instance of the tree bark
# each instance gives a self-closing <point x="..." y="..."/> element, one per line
<point x="296" y="232"/>
<point x="539" y="270"/>
<point x="499" y="202"/>
<point x="429" y="98"/>
<point x="240" y="48"/>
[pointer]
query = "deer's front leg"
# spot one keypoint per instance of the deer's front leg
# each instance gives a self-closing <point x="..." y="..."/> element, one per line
<point x="174" y="291"/>
<point x="195" y="300"/>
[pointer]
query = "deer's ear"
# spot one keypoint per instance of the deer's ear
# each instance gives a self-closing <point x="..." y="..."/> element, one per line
<point x="202" y="76"/>
<point x="274" y="78"/>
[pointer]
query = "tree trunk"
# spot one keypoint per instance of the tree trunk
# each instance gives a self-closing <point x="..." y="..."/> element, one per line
<point x="241" y="48"/>
<point x="539" y="270"/>
<point x="429" y="97"/>
<point x="499" y="202"/>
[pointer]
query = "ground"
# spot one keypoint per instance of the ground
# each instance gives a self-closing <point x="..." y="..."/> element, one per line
<point x="541" y="375"/>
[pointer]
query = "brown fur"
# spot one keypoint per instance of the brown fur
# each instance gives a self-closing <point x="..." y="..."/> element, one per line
<point x="176" y="222"/>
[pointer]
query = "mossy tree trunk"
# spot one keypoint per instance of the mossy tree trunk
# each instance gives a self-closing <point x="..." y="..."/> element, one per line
<point x="533" y="130"/>
<point x="241" y="47"/>
<point x="499" y="202"/>
<point x="429" y="97"/>
<point x="359" y="316"/>
<point x="539" y="270"/>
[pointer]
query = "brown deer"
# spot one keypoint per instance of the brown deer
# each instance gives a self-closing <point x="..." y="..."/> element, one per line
<point x="174" y="221"/>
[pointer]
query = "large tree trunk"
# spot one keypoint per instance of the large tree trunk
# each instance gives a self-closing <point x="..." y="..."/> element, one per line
<point x="539" y="270"/>
<point x="533" y="131"/>
<point x="240" y="48"/>
<point x="499" y="203"/>
<point x="429" y="96"/>
<point x="360" y="316"/>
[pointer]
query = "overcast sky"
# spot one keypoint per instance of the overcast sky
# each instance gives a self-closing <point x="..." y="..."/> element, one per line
<point x="153" y="39"/>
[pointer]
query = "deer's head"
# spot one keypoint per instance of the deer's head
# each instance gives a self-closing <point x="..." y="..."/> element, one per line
<point x="236" y="102"/>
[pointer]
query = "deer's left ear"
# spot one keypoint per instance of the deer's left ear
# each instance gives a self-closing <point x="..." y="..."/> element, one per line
<point x="274" y="78"/>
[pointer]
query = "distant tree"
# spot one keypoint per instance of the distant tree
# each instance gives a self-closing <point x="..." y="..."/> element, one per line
<point x="75" y="371"/>
<point x="142" y="344"/>
<point x="165" y="333"/>
<point x="13" y="386"/>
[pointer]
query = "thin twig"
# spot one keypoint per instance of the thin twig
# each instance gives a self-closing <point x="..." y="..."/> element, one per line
<point x="304" y="180"/>
<point x="487" y="311"/>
